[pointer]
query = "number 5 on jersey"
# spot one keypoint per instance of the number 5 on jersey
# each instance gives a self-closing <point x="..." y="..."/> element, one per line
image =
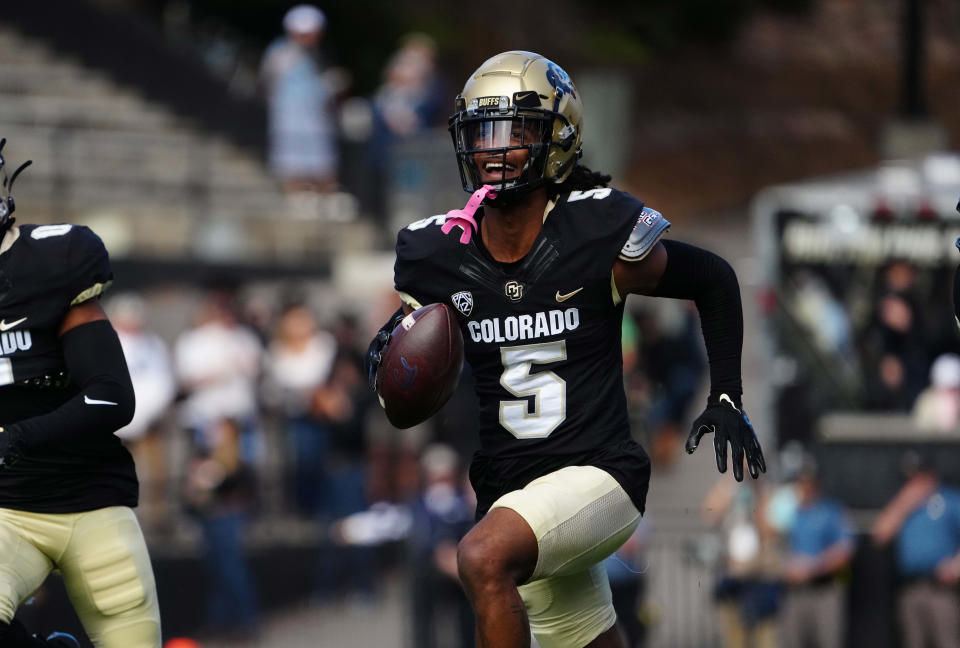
<point x="549" y="390"/>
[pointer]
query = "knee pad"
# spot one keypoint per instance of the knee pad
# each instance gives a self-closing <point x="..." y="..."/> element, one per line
<point x="569" y="611"/>
<point x="110" y="571"/>
<point x="114" y="582"/>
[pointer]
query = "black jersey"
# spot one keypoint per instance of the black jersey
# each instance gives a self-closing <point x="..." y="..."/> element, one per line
<point x="542" y="336"/>
<point x="47" y="270"/>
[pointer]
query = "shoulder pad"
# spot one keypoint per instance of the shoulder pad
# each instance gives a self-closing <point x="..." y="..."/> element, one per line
<point x="650" y="226"/>
<point x="420" y="238"/>
<point x="88" y="264"/>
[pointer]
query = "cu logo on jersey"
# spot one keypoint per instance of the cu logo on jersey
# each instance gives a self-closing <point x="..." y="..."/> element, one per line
<point x="560" y="80"/>
<point x="463" y="300"/>
<point x="513" y="290"/>
<point x="404" y="378"/>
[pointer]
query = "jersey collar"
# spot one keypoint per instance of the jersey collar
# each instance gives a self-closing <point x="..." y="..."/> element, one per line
<point x="9" y="238"/>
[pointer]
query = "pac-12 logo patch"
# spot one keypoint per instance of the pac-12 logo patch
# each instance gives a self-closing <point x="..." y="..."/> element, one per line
<point x="463" y="300"/>
<point x="649" y="217"/>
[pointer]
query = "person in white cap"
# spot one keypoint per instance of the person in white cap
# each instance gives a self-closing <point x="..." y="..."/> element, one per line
<point x="938" y="406"/>
<point x="301" y="127"/>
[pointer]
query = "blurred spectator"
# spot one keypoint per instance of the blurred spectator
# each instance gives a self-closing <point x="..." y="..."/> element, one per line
<point x="442" y="514"/>
<point x="410" y="98"/>
<point x="299" y="361"/>
<point x="672" y="356"/>
<point x="821" y="545"/>
<point x="301" y="125"/>
<point x="220" y="491"/>
<point x="218" y="364"/>
<point x="894" y="343"/>
<point x="938" y="407"/>
<point x="626" y="571"/>
<point x="924" y="517"/>
<point x="342" y="405"/>
<point x="350" y="338"/>
<point x="154" y="386"/>
<point x="823" y="316"/>
<point x="746" y="592"/>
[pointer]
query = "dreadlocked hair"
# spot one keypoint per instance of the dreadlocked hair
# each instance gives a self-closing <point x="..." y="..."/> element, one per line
<point x="580" y="179"/>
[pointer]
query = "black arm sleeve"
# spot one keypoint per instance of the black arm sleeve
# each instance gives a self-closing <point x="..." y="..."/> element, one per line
<point x="105" y="402"/>
<point x="707" y="279"/>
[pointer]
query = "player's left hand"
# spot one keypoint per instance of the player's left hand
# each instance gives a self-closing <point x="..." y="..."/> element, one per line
<point x="9" y="446"/>
<point x="729" y="424"/>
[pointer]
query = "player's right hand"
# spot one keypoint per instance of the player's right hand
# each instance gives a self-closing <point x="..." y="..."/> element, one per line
<point x="9" y="447"/>
<point x="729" y="424"/>
<point x="378" y="345"/>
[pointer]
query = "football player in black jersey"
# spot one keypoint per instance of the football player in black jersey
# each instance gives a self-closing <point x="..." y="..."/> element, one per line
<point x="537" y="266"/>
<point x="67" y="484"/>
<point x="956" y="281"/>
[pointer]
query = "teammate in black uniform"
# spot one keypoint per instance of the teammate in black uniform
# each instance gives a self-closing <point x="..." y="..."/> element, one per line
<point x="538" y="276"/>
<point x="67" y="485"/>
<point x="956" y="281"/>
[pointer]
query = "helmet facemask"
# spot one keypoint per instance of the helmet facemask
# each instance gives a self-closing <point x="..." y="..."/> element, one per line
<point x="7" y="205"/>
<point x="517" y="125"/>
<point x="490" y="144"/>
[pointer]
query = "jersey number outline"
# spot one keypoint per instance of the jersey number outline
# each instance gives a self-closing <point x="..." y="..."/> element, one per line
<point x="6" y="371"/>
<point x="549" y="390"/>
<point x="597" y="193"/>
<point x="47" y="231"/>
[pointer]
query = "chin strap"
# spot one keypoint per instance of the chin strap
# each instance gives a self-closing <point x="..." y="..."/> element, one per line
<point x="463" y="218"/>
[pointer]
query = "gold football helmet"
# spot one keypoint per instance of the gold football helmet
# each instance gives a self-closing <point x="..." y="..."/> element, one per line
<point x="514" y="101"/>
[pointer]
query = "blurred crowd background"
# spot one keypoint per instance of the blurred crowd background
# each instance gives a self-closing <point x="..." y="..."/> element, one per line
<point x="248" y="166"/>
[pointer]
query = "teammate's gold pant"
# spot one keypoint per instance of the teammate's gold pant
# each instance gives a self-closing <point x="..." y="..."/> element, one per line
<point x="103" y="559"/>
<point x="580" y="515"/>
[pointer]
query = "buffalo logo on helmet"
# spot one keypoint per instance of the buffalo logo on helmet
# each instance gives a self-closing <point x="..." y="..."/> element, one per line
<point x="560" y="80"/>
<point x="463" y="300"/>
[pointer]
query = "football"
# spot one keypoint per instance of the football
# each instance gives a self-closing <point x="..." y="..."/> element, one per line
<point x="421" y="365"/>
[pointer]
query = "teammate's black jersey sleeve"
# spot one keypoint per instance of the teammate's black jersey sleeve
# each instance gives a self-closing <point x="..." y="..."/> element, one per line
<point x="47" y="270"/>
<point x="543" y="339"/>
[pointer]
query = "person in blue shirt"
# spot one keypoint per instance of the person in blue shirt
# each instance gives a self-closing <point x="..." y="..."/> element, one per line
<point x="442" y="514"/>
<point x="924" y="518"/>
<point x="820" y="547"/>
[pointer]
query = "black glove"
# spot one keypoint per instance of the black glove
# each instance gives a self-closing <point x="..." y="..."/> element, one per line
<point x="378" y="345"/>
<point x="10" y="446"/>
<point x="729" y="423"/>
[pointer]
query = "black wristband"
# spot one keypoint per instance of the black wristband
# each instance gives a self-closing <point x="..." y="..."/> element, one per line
<point x="707" y="279"/>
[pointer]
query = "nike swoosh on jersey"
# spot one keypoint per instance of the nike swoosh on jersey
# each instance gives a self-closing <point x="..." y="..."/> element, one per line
<point x="93" y="401"/>
<point x="563" y="298"/>
<point x="6" y="327"/>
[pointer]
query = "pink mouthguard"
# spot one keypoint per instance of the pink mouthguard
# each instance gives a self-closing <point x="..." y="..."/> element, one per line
<point x="463" y="218"/>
